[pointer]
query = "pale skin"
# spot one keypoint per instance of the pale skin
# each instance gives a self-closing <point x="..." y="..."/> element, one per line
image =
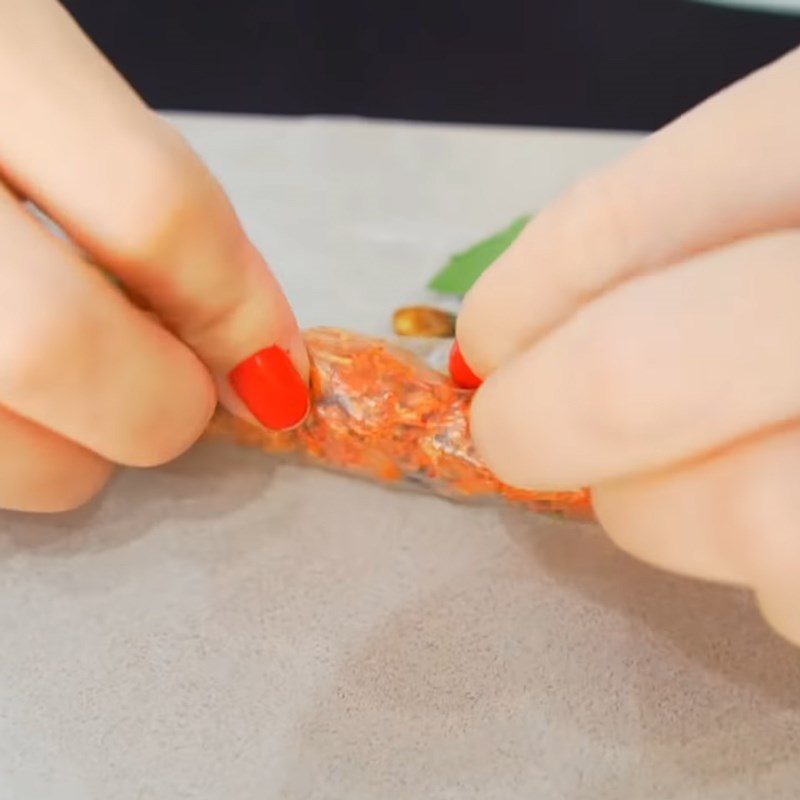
<point x="641" y="337"/>
<point x="86" y="379"/>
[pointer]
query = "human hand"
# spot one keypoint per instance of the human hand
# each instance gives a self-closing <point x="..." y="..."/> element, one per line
<point x="86" y="379"/>
<point x="642" y="337"/>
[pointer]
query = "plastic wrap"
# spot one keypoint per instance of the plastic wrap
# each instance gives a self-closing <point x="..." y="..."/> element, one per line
<point x="380" y="412"/>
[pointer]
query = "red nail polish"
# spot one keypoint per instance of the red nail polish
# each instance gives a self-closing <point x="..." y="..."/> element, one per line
<point x="271" y="388"/>
<point x="460" y="371"/>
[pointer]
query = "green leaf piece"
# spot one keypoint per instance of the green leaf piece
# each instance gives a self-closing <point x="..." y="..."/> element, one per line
<point x="465" y="268"/>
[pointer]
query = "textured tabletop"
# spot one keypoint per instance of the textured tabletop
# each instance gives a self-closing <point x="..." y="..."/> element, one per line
<point x="228" y="629"/>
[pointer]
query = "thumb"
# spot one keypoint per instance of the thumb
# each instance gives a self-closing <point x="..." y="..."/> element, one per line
<point x="210" y="285"/>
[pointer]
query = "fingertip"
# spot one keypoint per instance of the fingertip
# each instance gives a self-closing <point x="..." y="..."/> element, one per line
<point x="495" y="431"/>
<point x="167" y="430"/>
<point x="272" y="388"/>
<point x="519" y="427"/>
<point x="510" y="306"/>
<point x="460" y="371"/>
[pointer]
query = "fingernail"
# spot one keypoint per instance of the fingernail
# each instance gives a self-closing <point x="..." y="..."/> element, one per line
<point x="271" y="387"/>
<point x="460" y="371"/>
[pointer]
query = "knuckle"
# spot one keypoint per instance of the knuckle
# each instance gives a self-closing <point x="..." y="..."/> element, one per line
<point x="63" y="481"/>
<point x="36" y="345"/>
<point x="169" y="194"/>
<point x="76" y="487"/>
<point x="60" y="355"/>
<point x="229" y="311"/>
<point x="593" y="225"/>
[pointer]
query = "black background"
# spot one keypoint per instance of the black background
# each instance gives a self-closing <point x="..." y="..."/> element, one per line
<point x="587" y="63"/>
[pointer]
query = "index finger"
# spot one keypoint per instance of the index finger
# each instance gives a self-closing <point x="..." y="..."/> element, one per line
<point x="724" y="171"/>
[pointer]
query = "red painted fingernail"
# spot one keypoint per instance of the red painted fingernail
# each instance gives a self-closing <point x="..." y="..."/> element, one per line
<point x="271" y="388"/>
<point x="460" y="371"/>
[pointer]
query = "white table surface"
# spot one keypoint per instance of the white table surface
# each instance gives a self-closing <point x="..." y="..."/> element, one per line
<point x="225" y="629"/>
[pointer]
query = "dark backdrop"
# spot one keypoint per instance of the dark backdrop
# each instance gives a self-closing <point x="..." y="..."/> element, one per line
<point x="593" y="63"/>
